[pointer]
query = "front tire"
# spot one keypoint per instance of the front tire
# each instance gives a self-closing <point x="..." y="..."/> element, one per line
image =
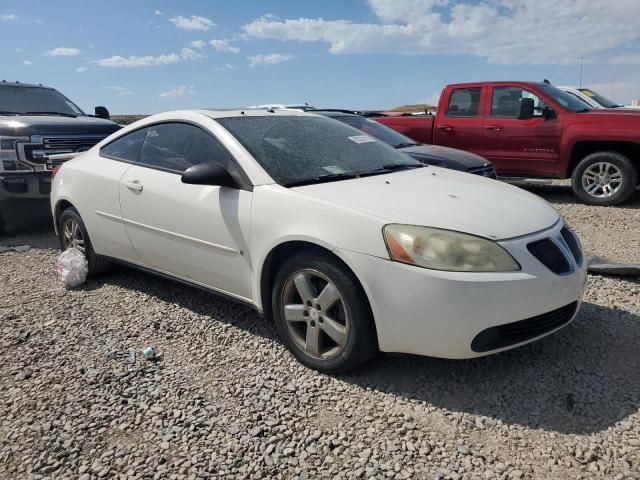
<point x="604" y="178"/>
<point x="322" y="313"/>
<point x="73" y="233"/>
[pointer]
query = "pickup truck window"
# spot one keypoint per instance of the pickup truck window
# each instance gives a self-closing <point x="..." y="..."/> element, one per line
<point x="464" y="102"/>
<point x="505" y="102"/>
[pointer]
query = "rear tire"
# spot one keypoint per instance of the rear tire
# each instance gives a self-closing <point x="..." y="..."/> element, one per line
<point x="71" y="223"/>
<point x="331" y="329"/>
<point x="604" y="178"/>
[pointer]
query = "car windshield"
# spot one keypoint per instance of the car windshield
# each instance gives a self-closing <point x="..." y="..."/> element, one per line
<point x="20" y="100"/>
<point x="311" y="149"/>
<point x="377" y="130"/>
<point x="605" y="102"/>
<point x="568" y="101"/>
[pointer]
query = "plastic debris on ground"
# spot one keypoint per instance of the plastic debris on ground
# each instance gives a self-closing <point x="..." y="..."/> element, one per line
<point x="600" y="266"/>
<point x="73" y="268"/>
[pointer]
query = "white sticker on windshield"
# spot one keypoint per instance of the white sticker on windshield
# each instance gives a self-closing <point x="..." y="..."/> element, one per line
<point x="362" y="139"/>
<point x="333" y="169"/>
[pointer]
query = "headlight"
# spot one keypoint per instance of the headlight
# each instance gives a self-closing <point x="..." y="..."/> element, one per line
<point x="446" y="250"/>
<point x="8" y="152"/>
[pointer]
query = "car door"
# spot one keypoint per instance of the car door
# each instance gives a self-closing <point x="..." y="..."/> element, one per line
<point x="101" y="189"/>
<point x="197" y="233"/>
<point x="520" y="146"/>
<point x="460" y="125"/>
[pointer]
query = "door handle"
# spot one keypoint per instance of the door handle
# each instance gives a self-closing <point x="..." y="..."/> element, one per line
<point x="446" y="128"/>
<point x="495" y="128"/>
<point x="135" y="185"/>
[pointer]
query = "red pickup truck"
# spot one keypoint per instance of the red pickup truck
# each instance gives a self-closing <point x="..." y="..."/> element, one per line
<point x="535" y="130"/>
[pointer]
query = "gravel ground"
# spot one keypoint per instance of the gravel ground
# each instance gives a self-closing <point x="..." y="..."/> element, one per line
<point x="78" y="400"/>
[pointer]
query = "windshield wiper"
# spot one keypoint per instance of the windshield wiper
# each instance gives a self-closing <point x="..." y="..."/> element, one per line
<point x="61" y="114"/>
<point x="332" y="177"/>
<point x="400" y="166"/>
<point x="404" y="145"/>
<point x="584" y="110"/>
<point x="7" y="112"/>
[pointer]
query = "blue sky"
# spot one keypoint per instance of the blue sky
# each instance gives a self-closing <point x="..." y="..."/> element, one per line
<point x="146" y="57"/>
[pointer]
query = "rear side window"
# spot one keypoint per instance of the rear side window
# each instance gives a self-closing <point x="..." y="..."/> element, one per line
<point x="464" y="102"/>
<point x="178" y="146"/>
<point x="126" y="147"/>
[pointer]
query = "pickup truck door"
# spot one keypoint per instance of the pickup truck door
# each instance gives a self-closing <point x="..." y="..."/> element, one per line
<point x="520" y="147"/>
<point x="459" y="120"/>
<point x="198" y="233"/>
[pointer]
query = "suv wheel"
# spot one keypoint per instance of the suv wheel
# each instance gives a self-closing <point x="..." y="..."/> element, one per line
<point x="604" y="178"/>
<point x="322" y="314"/>
<point x="73" y="234"/>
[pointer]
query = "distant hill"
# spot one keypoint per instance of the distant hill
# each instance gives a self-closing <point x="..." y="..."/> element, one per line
<point x="417" y="107"/>
<point x="127" y="119"/>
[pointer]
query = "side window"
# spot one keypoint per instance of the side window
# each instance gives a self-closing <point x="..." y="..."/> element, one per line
<point x="127" y="147"/>
<point x="505" y="102"/>
<point x="464" y="102"/>
<point x="178" y="146"/>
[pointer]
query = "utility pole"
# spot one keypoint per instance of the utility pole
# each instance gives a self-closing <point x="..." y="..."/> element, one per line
<point x="581" y="64"/>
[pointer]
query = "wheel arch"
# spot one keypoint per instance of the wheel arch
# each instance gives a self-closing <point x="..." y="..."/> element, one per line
<point x="581" y="149"/>
<point x="61" y="205"/>
<point x="276" y="257"/>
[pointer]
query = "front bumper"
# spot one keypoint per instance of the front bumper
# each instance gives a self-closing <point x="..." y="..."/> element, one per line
<point x="24" y="196"/>
<point x="439" y="314"/>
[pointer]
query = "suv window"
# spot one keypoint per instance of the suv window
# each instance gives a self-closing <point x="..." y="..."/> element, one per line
<point x="505" y="102"/>
<point x="126" y="147"/>
<point x="464" y="102"/>
<point x="178" y="146"/>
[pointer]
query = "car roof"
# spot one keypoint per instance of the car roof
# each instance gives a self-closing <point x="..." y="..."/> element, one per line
<point x="498" y="82"/>
<point x="4" y="83"/>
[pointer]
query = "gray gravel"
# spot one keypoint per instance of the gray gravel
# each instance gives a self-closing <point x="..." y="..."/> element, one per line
<point x="225" y="400"/>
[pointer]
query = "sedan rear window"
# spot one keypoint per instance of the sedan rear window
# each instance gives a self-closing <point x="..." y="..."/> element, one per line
<point x="295" y="149"/>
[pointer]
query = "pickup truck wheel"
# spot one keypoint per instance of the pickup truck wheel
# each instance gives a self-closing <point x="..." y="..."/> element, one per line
<point x="604" y="178"/>
<point x="322" y="313"/>
<point x="73" y="234"/>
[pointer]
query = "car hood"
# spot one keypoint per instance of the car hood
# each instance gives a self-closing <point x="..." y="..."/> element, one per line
<point x="52" y="124"/>
<point x="441" y="156"/>
<point x="441" y="198"/>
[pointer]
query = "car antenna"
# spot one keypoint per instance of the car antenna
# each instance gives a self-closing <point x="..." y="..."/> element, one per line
<point x="546" y="81"/>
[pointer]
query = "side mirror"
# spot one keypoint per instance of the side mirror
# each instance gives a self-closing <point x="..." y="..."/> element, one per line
<point x="526" y="109"/>
<point x="102" y="112"/>
<point x="209" y="173"/>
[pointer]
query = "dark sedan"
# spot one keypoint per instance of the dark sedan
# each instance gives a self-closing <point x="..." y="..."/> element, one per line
<point x="429" y="154"/>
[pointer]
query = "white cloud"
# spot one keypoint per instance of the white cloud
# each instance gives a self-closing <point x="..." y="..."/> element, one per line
<point x="81" y="69"/>
<point x="226" y="66"/>
<point x="222" y="46"/>
<point x="628" y="58"/>
<point x="62" y="52"/>
<point x="180" y="91"/>
<point x="507" y="32"/>
<point x="270" y="59"/>
<point x="6" y="17"/>
<point x="188" y="54"/>
<point x="125" y="93"/>
<point x="134" y="61"/>
<point x="27" y="62"/>
<point x="19" y="50"/>
<point x="158" y="12"/>
<point x="198" y="44"/>
<point x="194" y="22"/>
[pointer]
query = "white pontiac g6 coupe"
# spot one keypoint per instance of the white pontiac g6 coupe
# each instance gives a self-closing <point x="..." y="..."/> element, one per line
<point x="351" y="246"/>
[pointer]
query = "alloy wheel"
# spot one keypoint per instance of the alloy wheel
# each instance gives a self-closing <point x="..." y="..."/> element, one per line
<point x="72" y="235"/>
<point x="602" y="180"/>
<point x="315" y="314"/>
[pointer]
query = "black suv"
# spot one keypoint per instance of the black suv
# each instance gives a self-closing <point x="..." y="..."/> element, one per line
<point x="36" y="122"/>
